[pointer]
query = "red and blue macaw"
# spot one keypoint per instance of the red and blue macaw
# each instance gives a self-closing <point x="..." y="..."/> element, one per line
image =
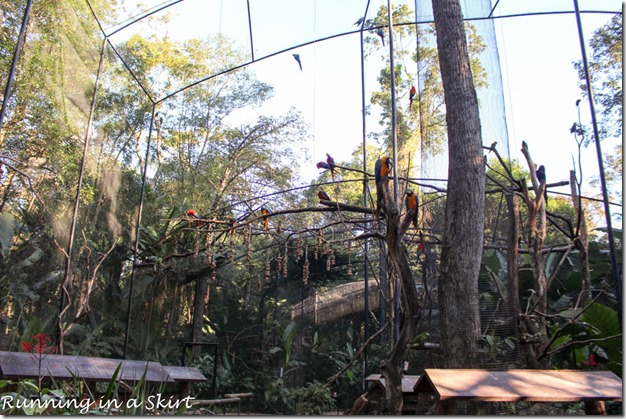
<point x="323" y="195"/>
<point x="412" y="202"/>
<point x="383" y="167"/>
<point x="265" y="211"/>
<point x="412" y="94"/>
<point x="297" y="57"/>
<point x="331" y="165"/>
<point x="193" y="214"/>
<point x="420" y="250"/>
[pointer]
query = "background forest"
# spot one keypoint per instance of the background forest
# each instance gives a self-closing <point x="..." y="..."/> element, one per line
<point x="103" y="150"/>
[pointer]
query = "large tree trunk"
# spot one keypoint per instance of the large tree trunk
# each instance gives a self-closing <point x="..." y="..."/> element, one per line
<point x="463" y="231"/>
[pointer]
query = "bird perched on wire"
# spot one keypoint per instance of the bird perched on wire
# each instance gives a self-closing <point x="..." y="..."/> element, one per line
<point x="358" y="22"/>
<point x="382" y="167"/>
<point x="297" y="57"/>
<point x="412" y="94"/>
<point x="322" y="195"/>
<point x="265" y="211"/>
<point x="331" y="165"/>
<point x="541" y="177"/>
<point x="380" y="33"/>
<point x="412" y="202"/>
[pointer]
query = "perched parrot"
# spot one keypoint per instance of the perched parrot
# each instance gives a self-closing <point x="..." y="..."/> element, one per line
<point x="322" y="165"/>
<point x="331" y="164"/>
<point x="380" y="33"/>
<point x="265" y="211"/>
<point x="193" y="214"/>
<point x="420" y="250"/>
<point x="412" y="94"/>
<point x="412" y="202"/>
<point x="541" y="177"/>
<point x="383" y="168"/>
<point x="297" y="57"/>
<point x="358" y="22"/>
<point x="323" y="195"/>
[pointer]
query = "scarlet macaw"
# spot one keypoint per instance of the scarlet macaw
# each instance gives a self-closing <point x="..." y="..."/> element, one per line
<point x="323" y="165"/>
<point x="382" y="168"/>
<point x="420" y="250"/>
<point x="412" y="94"/>
<point x="380" y="33"/>
<point x="331" y="164"/>
<point x="297" y="57"/>
<point x="265" y="211"/>
<point x="193" y="214"/>
<point x="323" y="195"/>
<point x="412" y="202"/>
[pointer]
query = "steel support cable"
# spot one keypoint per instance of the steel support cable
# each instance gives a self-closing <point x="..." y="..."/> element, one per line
<point x="70" y="244"/>
<point x="138" y="232"/>
<point x="366" y="261"/>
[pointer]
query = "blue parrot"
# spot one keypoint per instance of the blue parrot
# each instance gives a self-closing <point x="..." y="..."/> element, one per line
<point x="380" y="33"/>
<point x="297" y="57"/>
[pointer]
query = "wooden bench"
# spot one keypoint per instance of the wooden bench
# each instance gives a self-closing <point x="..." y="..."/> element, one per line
<point x="24" y="365"/>
<point x="555" y="386"/>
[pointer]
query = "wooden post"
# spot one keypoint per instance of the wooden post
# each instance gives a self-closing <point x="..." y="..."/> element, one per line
<point x="594" y="407"/>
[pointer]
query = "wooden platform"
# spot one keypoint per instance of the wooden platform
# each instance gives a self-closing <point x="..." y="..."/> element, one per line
<point x="591" y="387"/>
<point x="24" y="365"/>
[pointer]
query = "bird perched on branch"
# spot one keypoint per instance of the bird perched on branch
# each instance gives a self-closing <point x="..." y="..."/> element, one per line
<point x="191" y="213"/>
<point x="420" y="250"/>
<point x="297" y="57"/>
<point x="541" y="177"/>
<point x="265" y="211"/>
<point x="331" y="165"/>
<point x="412" y="202"/>
<point x="383" y="167"/>
<point x="380" y="33"/>
<point x="323" y="195"/>
<point x="412" y="94"/>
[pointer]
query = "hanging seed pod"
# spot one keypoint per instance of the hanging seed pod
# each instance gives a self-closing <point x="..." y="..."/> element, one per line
<point x="279" y="260"/>
<point x="299" y="250"/>
<point x="213" y="276"/>
<point x="320" y="237"/>
<point x="231" y="252"/>
<point x="328" y="265"/>
<point x="278" y="227"/>
<point x="285" y="265"/>
<point x="332" y="257"/>
<point x="315" y="252"/>
<point x="267" y="272"/>
<point x="305" y="269"/>
<point x="305" y="272"/>
<point x="213" y="264"/>
<point x="196" y="248"/>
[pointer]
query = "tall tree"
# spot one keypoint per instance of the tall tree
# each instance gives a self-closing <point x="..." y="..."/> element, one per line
<point x="463" y="230"/>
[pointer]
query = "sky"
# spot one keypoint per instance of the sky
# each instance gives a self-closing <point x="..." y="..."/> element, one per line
<point x="536" y="54"/>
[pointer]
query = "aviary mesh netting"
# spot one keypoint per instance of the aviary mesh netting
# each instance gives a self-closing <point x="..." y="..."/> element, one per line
<point x="123" y="116"/>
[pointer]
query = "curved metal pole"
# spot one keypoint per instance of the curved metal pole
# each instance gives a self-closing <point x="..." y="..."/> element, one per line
<point x="70" y="244"/>
<point x="137" y="232"/>
<point x="366" y="307"/>
<point x="605" y="196"/>
<point x="16" y="56"/>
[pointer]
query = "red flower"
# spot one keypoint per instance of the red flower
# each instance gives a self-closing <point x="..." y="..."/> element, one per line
<point x="27" y="346"/>
<point x="42" y="343"/>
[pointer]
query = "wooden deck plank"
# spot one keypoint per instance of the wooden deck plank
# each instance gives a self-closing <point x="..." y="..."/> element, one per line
<point x="26" y="365"/>
<point x="517" y="385"/>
